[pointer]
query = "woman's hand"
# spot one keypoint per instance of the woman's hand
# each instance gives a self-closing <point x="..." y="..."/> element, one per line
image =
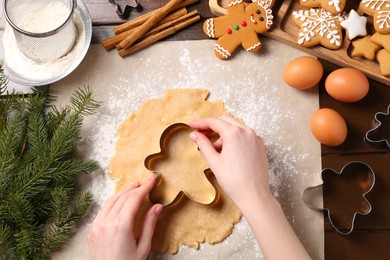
<point x="112" y="233"/>
<point x="238" y="158"/>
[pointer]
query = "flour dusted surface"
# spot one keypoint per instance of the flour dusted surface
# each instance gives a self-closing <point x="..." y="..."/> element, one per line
<point x="251" y="87"/>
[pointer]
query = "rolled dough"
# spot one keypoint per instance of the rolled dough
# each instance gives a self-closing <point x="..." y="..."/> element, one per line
<point x="188" y="223"/>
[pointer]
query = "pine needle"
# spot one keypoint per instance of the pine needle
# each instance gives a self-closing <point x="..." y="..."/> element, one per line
<point x="41" y="201"/>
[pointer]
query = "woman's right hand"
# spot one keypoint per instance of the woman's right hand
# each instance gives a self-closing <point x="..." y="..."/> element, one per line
<point x="238" y="158"/>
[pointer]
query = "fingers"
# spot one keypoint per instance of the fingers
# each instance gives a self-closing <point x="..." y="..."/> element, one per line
<point x="147" y="229"/>
<point x="216" y="124"/>
<point x="112" y="201"/>
<point x="133" y="201"/>
<point x="205" y="146"/>
<point x="231" y="120"/>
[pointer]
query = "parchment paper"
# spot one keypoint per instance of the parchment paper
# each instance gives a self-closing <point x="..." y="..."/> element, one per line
<point x="252" y="88"/>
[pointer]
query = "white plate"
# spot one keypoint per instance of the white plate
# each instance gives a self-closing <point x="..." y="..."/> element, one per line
<point x="83" y="13"/>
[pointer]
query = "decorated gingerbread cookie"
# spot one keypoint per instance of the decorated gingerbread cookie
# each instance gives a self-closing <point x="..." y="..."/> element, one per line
<point x="380" y="11"/>
<point x="240" y="27"/>
<point x="318" y="26"/>
<point x="331" y="6"/>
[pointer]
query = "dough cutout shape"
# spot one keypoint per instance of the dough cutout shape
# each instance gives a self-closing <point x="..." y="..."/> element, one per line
<point x="177" y="175"/>
<point x="187" y="222"/>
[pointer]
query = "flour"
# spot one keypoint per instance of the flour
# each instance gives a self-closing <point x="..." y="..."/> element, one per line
<point x="45" y="18"/>
<point x="28" y="69"/>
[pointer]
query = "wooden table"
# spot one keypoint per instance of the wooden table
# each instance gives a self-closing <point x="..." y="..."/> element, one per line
<point x="371" y="237"/>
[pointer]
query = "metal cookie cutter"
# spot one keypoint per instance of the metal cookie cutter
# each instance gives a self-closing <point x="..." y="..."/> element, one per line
<point x="123" y="9"/>
<point x="150" y="161"/>
<point x="380" y="135"/>
<point x="345" y="195"/>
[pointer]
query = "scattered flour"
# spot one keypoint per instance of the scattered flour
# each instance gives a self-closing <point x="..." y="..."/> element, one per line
<point x="248" y="90"/>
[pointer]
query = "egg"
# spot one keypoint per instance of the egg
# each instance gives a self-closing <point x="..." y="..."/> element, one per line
<point x="303" y="72"/>
<point x="328" y="127"/>
<point x="347" y="85"/>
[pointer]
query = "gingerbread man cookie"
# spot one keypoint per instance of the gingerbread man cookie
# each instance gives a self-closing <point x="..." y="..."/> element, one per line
<point x="331" y="6"/>
<point x="380" y="11"/>
<point x="240" y="27"/>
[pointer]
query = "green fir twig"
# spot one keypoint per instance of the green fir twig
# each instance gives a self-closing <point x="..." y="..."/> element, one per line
<point x="41" y="201"/>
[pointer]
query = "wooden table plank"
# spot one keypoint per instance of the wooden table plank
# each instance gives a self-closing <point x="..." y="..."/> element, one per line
<point x="371" y="236"/>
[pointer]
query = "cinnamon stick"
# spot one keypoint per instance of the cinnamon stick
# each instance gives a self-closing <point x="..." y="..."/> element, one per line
<point x="111" y="42"/>
<point x="158" y="36"/>
<point x="155" y="18"/>
<point x="142" y="19"/>
<point x="168" y="24"/>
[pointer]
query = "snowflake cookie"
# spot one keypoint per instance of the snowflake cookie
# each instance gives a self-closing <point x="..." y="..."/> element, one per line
<point x="331" y="6"/>
<point x="240" y="27"/>
<point x="318" y="26"/>
<point x="380" y="11"/>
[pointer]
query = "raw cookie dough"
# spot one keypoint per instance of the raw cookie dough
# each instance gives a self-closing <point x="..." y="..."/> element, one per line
<point x="189" y="223"/>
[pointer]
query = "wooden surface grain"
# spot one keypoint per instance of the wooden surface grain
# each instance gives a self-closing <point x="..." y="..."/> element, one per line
<point x="371" y="237"/>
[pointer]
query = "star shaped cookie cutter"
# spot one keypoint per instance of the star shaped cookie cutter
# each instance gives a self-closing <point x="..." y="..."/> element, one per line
<point x="123" y="9"/>
<point x="381" y="120"/>
<point x="355" y="173"/>
<point x="153" y="158"/>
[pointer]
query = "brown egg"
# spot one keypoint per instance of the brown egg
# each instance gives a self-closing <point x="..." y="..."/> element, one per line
<point x="328" y="127"/>
<point x="303" y="72"/>
<point x="347" y="85"/>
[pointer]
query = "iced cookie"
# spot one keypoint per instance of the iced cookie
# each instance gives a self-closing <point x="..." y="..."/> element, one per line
<point x="240" y="27"/>
<point x="318" y="26"/>
<point x="355" y="25"/>
<point x="332" y="6"/>
<point x="380" y="11"/>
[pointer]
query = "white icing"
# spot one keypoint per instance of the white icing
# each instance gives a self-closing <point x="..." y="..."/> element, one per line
<point x="235" y="3"/>
<point x="335" y="4"/>
<point x="253" y="19"/>
<point x="355" y="25"/>
<point x="210" y="27"/>
<point x="254" y="46"/>
<point x="376" y="4"/>
<point x="382" y="16"/>
<point x="222" y="51"/>
<point x="266" y="5"/>
<point x="321" y="22"/>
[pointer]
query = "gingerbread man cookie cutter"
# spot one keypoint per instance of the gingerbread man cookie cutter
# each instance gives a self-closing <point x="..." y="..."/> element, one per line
<point x="151" y="160"/>
<point x="380" y="134"/>
<point x="360" y="180"/>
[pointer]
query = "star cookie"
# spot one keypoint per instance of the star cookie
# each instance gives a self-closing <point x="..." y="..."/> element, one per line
<point x="355" y="25"/>
<point x="331" y="6"/>
<point x="380" y="11"/>
<point x="318" y="26"/>
<point x="383" y="57"/>
<point x="382" y="40"/>
<point x="364" y="47"/>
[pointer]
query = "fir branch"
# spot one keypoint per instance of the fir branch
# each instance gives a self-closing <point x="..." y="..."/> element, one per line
<point x="83" y="101"/>
<point x="40" y="198"/>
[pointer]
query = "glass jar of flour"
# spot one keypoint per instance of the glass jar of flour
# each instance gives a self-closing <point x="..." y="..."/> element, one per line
<point x="44" y="29"/>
